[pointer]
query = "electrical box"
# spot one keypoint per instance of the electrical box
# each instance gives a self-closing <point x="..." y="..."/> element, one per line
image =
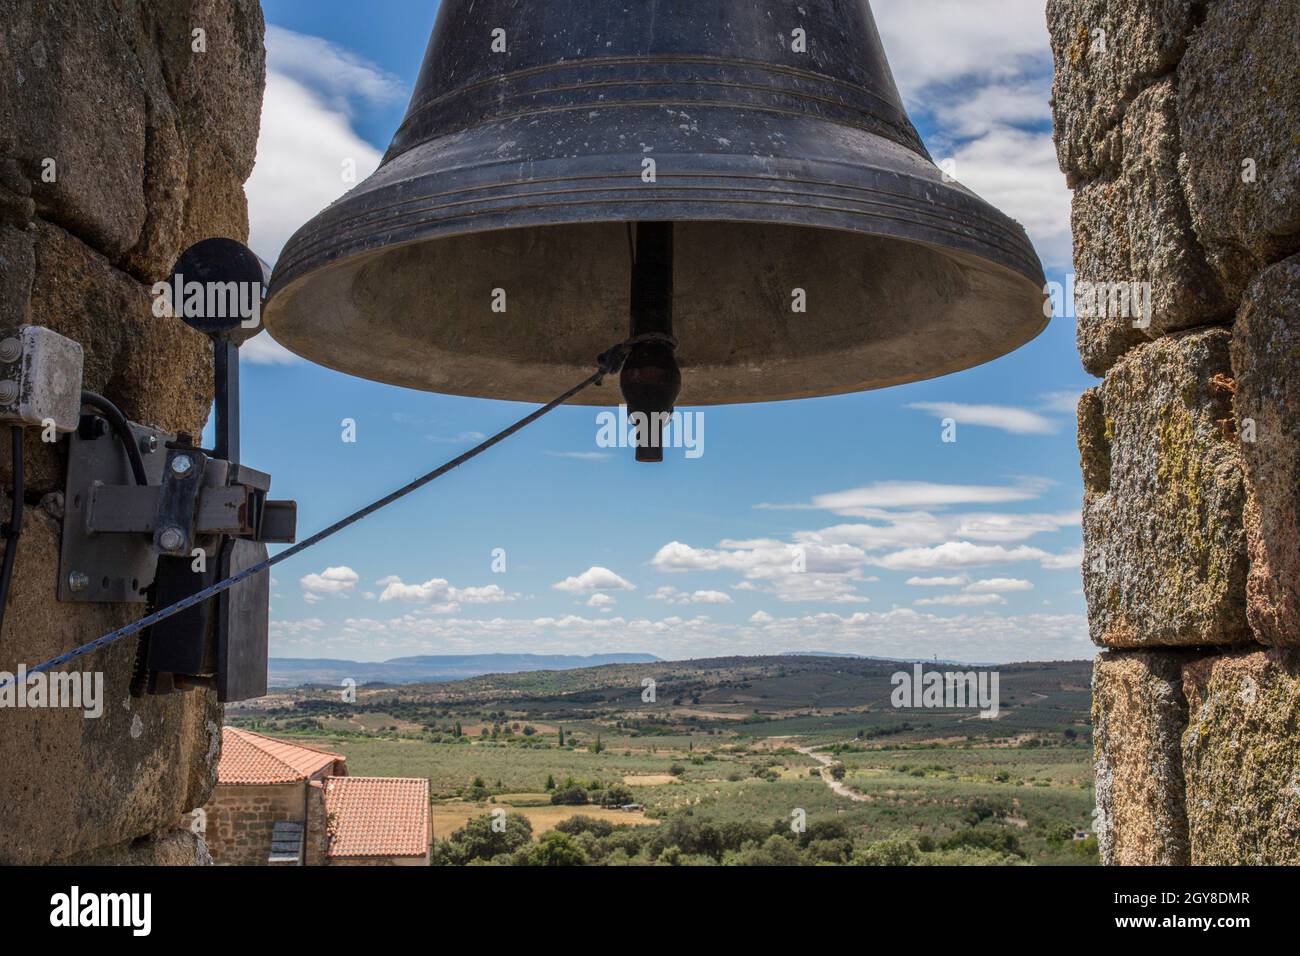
<point x="40" y="378"/>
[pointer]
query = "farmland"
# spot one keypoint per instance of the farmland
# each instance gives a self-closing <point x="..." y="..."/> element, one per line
<point x="726" y="760"/>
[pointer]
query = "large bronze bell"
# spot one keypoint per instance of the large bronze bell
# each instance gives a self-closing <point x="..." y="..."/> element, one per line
<point x="740" y="178"/>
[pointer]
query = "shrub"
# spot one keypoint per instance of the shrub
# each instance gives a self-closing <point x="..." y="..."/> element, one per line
<point x="574" y="826"/>
<point x="573" y="796"/>
<point x="891" y="852"/>
<point x="998" y="839"/>
<point x="555" y="849"/>
<point x="774" y="851"/>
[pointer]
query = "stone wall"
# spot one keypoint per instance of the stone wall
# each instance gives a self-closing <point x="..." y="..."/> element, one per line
<point x="1176" y="127"/>
<point x="125" y="136"/>
<point x="238" y="820"/>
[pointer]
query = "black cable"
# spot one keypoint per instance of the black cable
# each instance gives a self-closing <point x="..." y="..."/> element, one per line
<point x="609" y="363"/>
<point x="117" y="421"/>
<point x="13" y="528"/>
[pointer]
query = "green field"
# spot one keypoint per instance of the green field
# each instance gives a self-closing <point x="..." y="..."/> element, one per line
<point x="713" y="761"/>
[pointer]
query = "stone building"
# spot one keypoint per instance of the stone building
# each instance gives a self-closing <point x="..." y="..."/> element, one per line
<point x="1176" y="127"/>
<point x="279" y="803"/>
<point x="127" y="130"/>
<point x="268" y="795"/>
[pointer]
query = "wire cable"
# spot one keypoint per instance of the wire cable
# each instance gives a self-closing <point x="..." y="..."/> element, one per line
<point x="13" y="528"/>
<point x="117" y="421"/>
<point x="609" y="363"/>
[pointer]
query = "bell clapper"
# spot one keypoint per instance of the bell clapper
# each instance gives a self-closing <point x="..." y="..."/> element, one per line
<point x="651" y="379"/>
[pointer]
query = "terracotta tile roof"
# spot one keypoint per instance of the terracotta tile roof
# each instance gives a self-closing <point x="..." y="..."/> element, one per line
<point x="247" y="757"/>
<point x="378" y="816"/>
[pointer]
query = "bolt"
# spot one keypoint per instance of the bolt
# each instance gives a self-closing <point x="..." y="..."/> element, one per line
<point x="182" y="464"/>
<point x="148" y="444"/>
<point x="171" y="539"/>
<point x="8" y="392"/>
<point x="78" y="581"/>
<point x="10" y="349"/>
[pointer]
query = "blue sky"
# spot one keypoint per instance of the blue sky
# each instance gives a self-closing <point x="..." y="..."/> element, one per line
<point x="912" y="546"/>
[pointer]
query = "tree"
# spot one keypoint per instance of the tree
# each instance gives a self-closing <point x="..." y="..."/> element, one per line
<point x="574" y="796"/>
<point x="596" y="747"/>
<point x="550" y="781"/>
<point x="561" y="736"/>
<point x="478" y="840"/>
<point x="891" y="852"/>
<point x="556" y="849"/>
<point x="775" y="851"/>
<point x="616" y="796"/>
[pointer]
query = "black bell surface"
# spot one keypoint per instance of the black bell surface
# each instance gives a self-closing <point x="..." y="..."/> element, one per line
<point x="815" y="247"/>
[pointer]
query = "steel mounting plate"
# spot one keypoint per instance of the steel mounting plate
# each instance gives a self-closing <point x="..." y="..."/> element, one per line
<point x="117" y="568"/>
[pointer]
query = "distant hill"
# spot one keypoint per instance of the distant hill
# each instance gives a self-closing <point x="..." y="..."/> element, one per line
<point x="292" y="671"/>
<point x="895" y="660"/>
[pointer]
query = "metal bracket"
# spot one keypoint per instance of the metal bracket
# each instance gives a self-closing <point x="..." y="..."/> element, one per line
<point x="114" y="530"/>
<point x="106" y="566"/>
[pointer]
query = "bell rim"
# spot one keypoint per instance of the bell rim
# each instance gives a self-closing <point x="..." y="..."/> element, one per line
<point x="901" y="198"/>
<point x="317" y="244"/>
<point x="1033" y="294"/>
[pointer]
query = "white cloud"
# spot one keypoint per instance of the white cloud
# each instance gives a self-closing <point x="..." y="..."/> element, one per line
<point x="339" y="77"/>
<point x="1017" y="421"/>
<point x="761" y="617"/>
<point x="931" y="42"/>
<point x="594" y="579"/>
<point x="866" y="500"/>
<point x="993" y="526"/>
<point x="915" y="529"/>
<point x="998" y="585"/>
<point x="333" y="580"/>
<point x="304" y="630"/>
<point x="952" y="582"/>
<point x="1069" y="561"/>
<point x="956" y="554"/>
<point x="601" y="600"/>
<point x="674" y="596"/>
<point x="313" y="89"/>
<point x="439" y="594"/>
<point x="261" y="349"/>
<point x="807" y="571"/>
<point x="962" y="600"/>
<point x="710" y="597"/>
<point x="1017" y="102"/>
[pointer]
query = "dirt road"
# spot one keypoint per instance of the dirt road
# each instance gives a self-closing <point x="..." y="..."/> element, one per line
<point x="840" y="789"/>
